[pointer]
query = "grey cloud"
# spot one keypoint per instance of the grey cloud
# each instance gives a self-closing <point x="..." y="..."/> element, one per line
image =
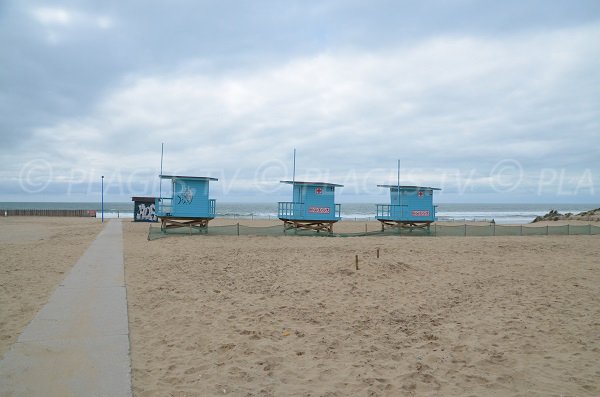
<point x="458" y="85"/>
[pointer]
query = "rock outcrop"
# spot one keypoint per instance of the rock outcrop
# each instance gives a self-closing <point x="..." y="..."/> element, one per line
<point x="554" y="215"/>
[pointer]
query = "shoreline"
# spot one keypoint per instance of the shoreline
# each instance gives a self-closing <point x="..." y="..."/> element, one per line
<point x="359" y="212"/>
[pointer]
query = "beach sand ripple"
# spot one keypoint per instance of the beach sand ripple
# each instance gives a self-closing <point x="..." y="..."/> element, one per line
<point x="271" y="316"/>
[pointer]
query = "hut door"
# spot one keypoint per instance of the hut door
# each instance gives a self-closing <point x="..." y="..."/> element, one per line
<point x="302" y="197"/>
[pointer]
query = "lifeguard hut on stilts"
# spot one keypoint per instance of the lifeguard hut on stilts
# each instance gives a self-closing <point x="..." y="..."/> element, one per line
<point x="411" y="207"/>
<point x="312" y="207"/>
<point x="188" y="204"/>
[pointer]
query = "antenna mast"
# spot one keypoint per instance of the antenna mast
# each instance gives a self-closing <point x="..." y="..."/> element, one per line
<point x="399" y="197"/>
<point x="162" y="149"/>
<point x="294" y="174"/>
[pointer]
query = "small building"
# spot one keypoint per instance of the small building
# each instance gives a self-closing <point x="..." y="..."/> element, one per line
<point x="144" y="209"/>
<point x="312" y="207"/>
<point x="189" y="204"/>
<point x="410" y="206"/>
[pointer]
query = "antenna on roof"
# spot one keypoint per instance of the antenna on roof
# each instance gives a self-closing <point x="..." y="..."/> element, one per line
<point x="398" y="173"/>
<point x="399" y="197"/>
<point x="162" y="149"/>
<point x="294" y="168"/>
<point x="294" y="174"/>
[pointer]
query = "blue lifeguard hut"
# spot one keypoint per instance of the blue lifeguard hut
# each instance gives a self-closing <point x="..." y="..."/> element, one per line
<point x="189" y="204"/>
<point x="410" y="206"/>
<point x="312" y="207"/>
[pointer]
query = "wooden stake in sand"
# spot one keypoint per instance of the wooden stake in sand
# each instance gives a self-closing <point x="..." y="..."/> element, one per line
<point x="377" y="253"/>
<point x="356" y="258"/>
<point x="238" y="229"/>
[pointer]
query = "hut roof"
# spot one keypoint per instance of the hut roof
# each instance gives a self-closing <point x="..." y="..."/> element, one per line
<point x="197" y="178"/>
<point x="143" y="199"/>
<point x="411" y="187"/>
<point x="311" y="183"/>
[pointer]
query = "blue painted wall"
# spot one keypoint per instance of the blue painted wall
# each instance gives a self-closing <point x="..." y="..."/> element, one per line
<point x="417" y="204"/>
<point x="317" y="202"/>
<point x="190" y="198"/>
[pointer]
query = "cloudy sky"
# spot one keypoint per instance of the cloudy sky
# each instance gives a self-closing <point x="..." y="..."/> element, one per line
<point x="493" y="101"/>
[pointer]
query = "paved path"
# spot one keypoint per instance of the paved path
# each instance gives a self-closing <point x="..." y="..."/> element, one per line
<point x="78" y="343"/>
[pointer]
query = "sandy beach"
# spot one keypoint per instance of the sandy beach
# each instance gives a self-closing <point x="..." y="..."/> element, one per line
<point x="35" y="255"/>
<point x="406" y="194"/>
<point x="256" y="316"/>
<point x="270" y="316"/>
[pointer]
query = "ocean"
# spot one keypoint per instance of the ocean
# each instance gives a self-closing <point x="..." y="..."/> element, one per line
<point x="500" y="213"/>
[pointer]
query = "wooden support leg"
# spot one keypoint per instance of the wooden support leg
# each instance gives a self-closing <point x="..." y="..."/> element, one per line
<point x="316" y="226"/>
<point x="169" y="223"/>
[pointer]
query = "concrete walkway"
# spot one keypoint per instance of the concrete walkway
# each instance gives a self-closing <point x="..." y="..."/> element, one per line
<point x="78" y="343"/>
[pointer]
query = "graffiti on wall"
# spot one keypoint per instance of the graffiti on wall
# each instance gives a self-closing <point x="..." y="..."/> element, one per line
<point x="145" y="212"/>
<point x="186" y="196"/>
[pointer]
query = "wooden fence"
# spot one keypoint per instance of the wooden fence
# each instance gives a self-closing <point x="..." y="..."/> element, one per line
<point x="33" y="212"/>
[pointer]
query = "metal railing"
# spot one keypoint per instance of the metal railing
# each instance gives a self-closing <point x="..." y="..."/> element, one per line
<point x="164" y="206"/>
<point x="394" y="211"/>
<point x="387" y="211"/>
<point x="287" y="209"/>
<point x="212" y="205"/>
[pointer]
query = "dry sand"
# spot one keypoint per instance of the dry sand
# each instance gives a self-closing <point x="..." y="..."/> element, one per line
<point x="447" y="316"/>
<point x="35" y="254"/>
<point x="228" y="315"/>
